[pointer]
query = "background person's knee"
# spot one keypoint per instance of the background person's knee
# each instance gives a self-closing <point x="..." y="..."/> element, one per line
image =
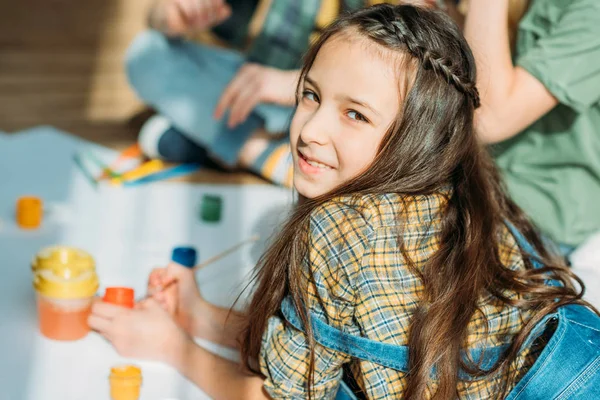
<point x="144" y="63"/>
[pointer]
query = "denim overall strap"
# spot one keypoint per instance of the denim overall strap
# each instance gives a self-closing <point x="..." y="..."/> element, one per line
<point x="388" y="355"/>
<point x="528" y="248"/>
<point x="525" y="245"/>
<point x="569" y="365"/>
<point x="345" y="393"/>
<point x="391" y="356"/>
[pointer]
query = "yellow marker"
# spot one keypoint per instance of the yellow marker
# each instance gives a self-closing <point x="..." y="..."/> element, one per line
<point x="125" y="382"/>
<point x="132" y="152"/>
<point x="147" y="168"/>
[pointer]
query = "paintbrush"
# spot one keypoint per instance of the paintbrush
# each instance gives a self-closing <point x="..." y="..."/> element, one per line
<point x="202" y="265"/>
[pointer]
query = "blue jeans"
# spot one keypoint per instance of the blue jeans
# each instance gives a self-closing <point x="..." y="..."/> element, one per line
<point x="183" y="81"/>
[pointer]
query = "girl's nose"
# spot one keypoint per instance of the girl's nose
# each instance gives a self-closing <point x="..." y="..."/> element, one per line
<point x="316" y="129"/>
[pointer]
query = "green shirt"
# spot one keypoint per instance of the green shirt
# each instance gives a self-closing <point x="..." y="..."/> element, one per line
<point x="552" y="168"/>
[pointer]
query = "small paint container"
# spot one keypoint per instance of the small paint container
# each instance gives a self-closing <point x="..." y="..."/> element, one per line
<point x="184" y="256"/>
<point x="120" y="296"/>
<point x="65" y="281"/>
<point x="211" y="208"/>
<point x="125" y="382"/>
<point x="29" y="212"/>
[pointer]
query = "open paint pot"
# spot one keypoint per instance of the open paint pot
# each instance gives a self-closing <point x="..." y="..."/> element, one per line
<point x="65" y="283"/>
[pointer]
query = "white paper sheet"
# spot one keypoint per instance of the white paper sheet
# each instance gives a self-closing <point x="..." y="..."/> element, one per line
<point x="128" y="231"/>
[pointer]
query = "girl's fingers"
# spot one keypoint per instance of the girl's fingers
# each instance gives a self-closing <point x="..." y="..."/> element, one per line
<point x="198" y="6"/>
<point x="246" y="101"/>
<point x="139" y="305"/>
<point x="187" y="9"/>
<point x="201" y="12"/>
<point x="232" y="91"/>
<point x="175" y="18"/>
<point x="151" y="303"/>
<point x="220" y="12"/>
<point x="160" y="297"/>
<point x="106" y="336"/>
<point x="153" y="278"/>
<point x="99" y="324"/>
<point x="223" y="13"/>
<point x="163" y="304"/>
<point x="106" y="310"/>
<point x="159" y="278"/>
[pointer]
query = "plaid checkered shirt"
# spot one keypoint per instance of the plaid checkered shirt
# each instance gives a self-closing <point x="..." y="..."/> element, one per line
<point x="367" y="290"/>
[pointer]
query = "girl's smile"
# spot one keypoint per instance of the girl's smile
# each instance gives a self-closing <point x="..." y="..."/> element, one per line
<point x="311" y="166"/>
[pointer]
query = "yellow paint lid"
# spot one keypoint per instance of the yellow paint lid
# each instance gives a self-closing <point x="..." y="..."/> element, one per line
<point x="125" y="371"/>
<point x="125" y="382"/>
<point x="64" y="273"/>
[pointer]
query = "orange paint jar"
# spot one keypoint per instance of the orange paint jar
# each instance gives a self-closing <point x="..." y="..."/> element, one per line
<point x="121" y="296"/>
<point x="65" y="282"/>
<point x="125" y="382"/>
<point x="29" y="212"/>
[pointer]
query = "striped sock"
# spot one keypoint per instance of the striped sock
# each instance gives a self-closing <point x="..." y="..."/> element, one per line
<point x="275" y="163"/>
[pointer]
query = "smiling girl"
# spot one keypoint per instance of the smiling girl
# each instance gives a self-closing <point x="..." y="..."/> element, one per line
<point x="404" y="270"/>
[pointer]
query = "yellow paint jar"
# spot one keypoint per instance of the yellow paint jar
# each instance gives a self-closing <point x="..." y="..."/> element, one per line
<point x="125" y="382"/>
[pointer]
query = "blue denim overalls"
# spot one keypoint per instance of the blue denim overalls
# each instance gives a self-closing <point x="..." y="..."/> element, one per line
<point x="567" y="368"/>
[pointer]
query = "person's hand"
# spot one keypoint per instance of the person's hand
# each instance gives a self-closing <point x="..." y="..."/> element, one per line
<point x="181" y="299"/>
<point x="254" y="84"/>
<point x="146" y="332"/>
<point x="178" y="17"/>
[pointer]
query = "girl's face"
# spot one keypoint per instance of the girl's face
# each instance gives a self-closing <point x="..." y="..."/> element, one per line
<point x="349" y="99"/>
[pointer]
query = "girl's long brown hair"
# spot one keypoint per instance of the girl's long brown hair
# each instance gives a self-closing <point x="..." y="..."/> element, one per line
<point x="432" y="145"/>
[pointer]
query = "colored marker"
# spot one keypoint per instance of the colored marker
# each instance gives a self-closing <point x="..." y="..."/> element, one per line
<point x="133" y="151"/>
<point x="176" y="171"/>
<point x="88" y="175"/>
<point x="106" y="171"/>
<point x="147" y="168"/>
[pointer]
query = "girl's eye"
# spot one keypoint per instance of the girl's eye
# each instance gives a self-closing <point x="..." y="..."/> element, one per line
<point x="310" y="95"/>
<point x="355" y="115"/>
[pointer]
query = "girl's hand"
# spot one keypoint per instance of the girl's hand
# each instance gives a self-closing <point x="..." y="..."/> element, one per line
<point x="181" y="299"/>
<point x="146" y="332"/>
<point x="178" y="17"/>
<point x="254" y="84"/>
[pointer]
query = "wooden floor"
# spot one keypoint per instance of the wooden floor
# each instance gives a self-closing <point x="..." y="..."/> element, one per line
<point x="61" y="64"/>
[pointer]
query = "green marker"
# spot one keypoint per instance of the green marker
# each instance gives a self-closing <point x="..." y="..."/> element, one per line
<point x="88" y="175"/>
<point x="210" y="209"/>
<point x="105" y="169"/>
